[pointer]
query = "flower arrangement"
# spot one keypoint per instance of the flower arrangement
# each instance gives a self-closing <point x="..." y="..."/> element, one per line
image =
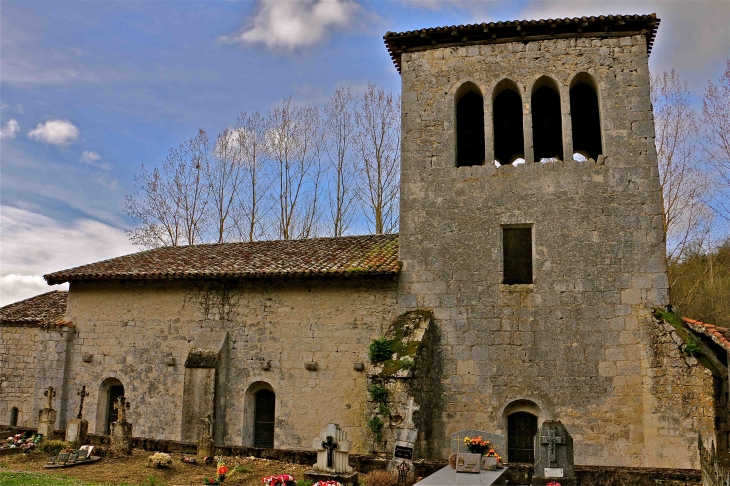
<point x="553" y="483"/>
<point x="492" y="453"/>
<point x="159" y="459"/>
<point x="221" y="469"/>
<point x="477" y="445"/>
<point x="327" y="483"/>
<point x="280" y="480"/>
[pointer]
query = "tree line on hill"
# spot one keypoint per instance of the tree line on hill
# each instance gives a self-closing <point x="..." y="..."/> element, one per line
<point x="297" y="173"/>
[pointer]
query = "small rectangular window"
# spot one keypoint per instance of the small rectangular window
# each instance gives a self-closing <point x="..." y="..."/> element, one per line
<point x="517" y="254"/>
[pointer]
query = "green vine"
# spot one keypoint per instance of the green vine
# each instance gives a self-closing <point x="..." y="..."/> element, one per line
<point x="376" y="427"/>
<point x="380" y="350"/>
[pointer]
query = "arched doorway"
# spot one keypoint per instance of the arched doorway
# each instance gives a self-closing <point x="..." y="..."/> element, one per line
<point x="264" y="416"/>
<point x="14" y="417"/>
<point x="109" y="391"/>
<point x="521" y="430"/>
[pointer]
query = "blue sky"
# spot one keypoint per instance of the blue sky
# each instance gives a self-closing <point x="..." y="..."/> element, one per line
<point x="90" y="90"/>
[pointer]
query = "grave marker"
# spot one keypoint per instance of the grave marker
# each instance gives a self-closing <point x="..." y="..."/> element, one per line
<point x="47" y="416"/>
<point x="333" y="457"/>
<point x="121" y="437"/>
<point x="553" y="455"/>
<point x="77" y="428"/>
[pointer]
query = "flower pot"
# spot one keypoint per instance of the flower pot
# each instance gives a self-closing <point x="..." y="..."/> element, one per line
<point x="468" y="462"/>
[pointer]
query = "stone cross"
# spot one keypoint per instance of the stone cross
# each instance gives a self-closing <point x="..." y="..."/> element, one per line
<point x="551" y="440"/>
<point x="333" y="450"/>
<point x="83" y="394"/>
<point x="409" y="413"/>
<point x="121" y="406"/>
<point x="50" y="393"/>
<point x="330" y="445"/>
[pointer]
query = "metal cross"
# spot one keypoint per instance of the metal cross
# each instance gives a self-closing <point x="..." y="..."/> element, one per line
<point x="403" y="470"/>
<point x="330" y="445"/>
<point x="121" y="406"/>
<point x="50" y="393"/>
<point x="551" y="439"/>
<point x="83" y="394"/>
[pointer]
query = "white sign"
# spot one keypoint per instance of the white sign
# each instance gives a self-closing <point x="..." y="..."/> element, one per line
<point x="553" y="472"/>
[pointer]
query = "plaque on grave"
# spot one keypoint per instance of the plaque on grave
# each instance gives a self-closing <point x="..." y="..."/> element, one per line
<point x="553" y="455"/>
<point x="403" y="452"/>
<point x="405" y="437"/>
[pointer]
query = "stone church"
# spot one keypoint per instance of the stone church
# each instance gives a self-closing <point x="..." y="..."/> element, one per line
<point x="531" y="246"/>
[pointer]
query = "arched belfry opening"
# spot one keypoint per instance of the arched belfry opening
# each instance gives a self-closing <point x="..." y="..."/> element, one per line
<point x="547" y="128"/>
<point x="109" y="391"/>
<point x="469" y="126"/>
<point x="509" y="139"/>
<point x="585" y="117"/>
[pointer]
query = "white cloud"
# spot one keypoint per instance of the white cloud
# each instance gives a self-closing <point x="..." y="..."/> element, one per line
<point x="91" y="158"/>
<point x="18" y="287"/>
<point x="290" y="25"/>
<point x="55" y="132"/>
<point x="10" y="129"/>
<point x="33" y="245"/>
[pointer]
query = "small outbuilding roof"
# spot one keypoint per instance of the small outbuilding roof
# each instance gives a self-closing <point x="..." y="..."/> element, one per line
<point x="719" y="335"/>
<point x="520" y="31"/>
<point x="47" y="309"/>
<point x="345" y="255"/>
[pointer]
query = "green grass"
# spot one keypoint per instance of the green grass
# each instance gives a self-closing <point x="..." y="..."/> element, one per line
<point x="38" y="479"/>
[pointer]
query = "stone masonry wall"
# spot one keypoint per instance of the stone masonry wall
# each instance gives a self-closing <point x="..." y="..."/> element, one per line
<point x="133" y="328"/>
<point x="17" y="372"/>
<point x="574" y="344"/>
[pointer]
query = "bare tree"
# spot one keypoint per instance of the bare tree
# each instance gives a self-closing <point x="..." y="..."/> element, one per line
<point x="716" y="118"/>
<point x="223" y="176"/>
<point x="169" y="204"/>
<point x="340" y="132"/>
<point x="378" y="122"/>
<point x="684" y="183"/>
<point x="252" y="208"/>
<point x="293" y="143"/>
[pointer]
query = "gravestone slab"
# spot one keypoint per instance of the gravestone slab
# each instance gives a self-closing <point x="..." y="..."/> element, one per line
<point x="405" y="444"/>
<point x="333" y="457"/>
<point x="553" y="455"/>
<point x="76" y="431"/>
<point x="457" y="440"/>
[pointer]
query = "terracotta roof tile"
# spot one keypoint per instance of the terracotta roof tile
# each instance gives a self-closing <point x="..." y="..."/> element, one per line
<point x="347" y="255"/>
<point x="47" y="309"/>
<point x="720" y="335"/>
<point x="520" y="31"/>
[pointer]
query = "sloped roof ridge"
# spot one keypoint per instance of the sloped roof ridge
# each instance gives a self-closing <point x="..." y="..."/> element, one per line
<point x="399" y="42"/>
<point x="718" y="334"/>
<point x="46" y="309"/>
<point x="345" y="255"/>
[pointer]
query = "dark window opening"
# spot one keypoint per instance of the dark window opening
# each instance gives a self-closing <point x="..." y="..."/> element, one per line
<point x="585" y="120"/>
<point x="517" y="253"/>
<point x="115" y="391"/>
<point x="470" y="130"/>
<point x="547" y="131"/>
<point x="521" y="431"/>
<point x="509" y="140"/>
<point x="264" y="408"/>
<point x="14" y="417"/>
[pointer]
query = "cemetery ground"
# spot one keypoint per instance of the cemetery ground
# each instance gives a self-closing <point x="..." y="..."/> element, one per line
<point x="27" y="469"/>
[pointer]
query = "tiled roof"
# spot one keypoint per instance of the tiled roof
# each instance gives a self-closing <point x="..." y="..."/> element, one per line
<point x="720" y="335"/>
<point x="47" y="309"/>
<point x="346" y="255"/>
<point x="520" y="31"/>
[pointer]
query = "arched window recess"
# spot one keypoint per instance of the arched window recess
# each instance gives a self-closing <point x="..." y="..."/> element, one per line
<point x="585" y="118"/>
<point x="469" y="125"/>
<point x="509" y="139"/>
<point x="547" y="123"/>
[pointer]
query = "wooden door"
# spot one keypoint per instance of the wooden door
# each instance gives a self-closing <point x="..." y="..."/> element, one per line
<point x="115" y="391"/>
<point x="264" y="414"/>
<point x="521" y="430"/>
